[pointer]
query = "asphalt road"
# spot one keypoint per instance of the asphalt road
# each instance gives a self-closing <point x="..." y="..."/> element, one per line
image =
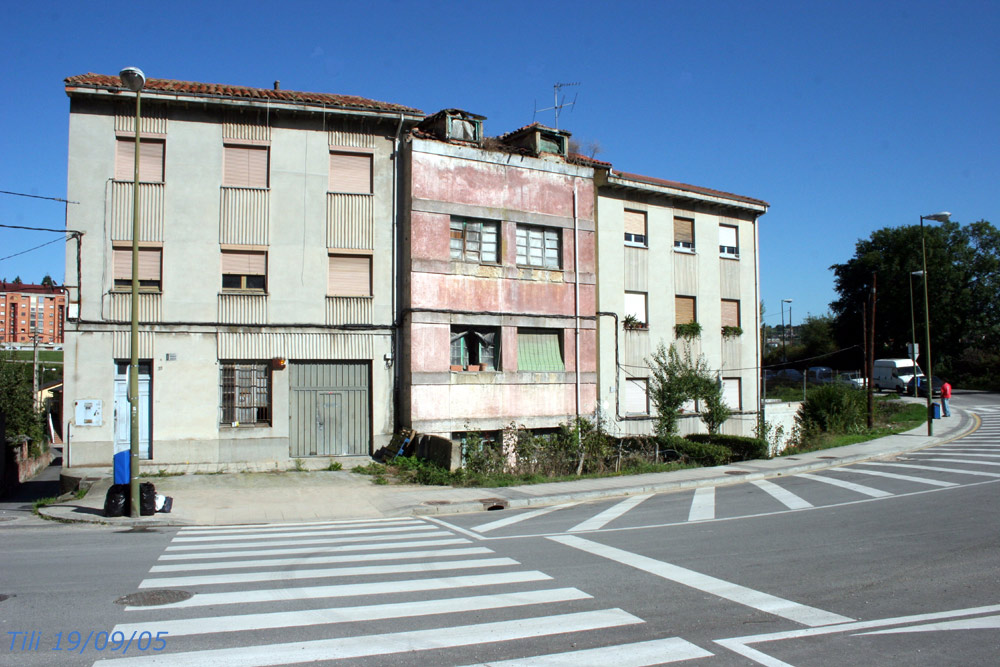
<point x="890" y="562"/>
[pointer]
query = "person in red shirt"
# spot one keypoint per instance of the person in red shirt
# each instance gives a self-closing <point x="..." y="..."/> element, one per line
<point x="945" y="397"/>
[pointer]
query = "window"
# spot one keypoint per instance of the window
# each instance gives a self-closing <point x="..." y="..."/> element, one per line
<point x="684" y="309"/>
<point x="474" y="349"/>
<point x="684" y="233"/>
<point x="637" y="396"/>
<point x="635" y="228"/>
<point x="150" y="260"/>
<point x="635" y="307"/>
<point x="244" y="166"/>
<point x="150" y="160"/>
<point x="731" y="393"/>
<point x="730" y="313"/>
<point x="474" y="240"/>
<point x="350" y="275"/>
<point x="539" y="350"/>
<point x="538" y="246"/>
<point x="728" y="244"/>
<point x="351" y="173"/>
<point x="244" y="270"/>
<point x="246" y="393"/>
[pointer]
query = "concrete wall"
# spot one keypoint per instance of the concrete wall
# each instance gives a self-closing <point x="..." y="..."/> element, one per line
<point x="183" y="331"/>
<point x="446" y="180"/>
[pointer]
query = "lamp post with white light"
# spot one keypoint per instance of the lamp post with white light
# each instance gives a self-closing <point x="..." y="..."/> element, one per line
<point x="943" y="216"/>
<point x="133" y="79"/>
<point x="913" y="328"/>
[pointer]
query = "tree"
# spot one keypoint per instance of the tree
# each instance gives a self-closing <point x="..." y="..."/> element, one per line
<point x="17" y="402"/>
<point x="677" y="377"/>
<point x="17" y="280"/>
<point x="47" y="281"/>
<point x="963" y="269"/>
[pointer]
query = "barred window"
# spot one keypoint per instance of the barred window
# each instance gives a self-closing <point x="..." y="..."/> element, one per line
<point x="246" y="393"/>
<point x="474" y="240"/>
<point x="538" y="247"/>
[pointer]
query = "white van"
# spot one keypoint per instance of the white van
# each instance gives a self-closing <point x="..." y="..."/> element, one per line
<point x="894" y="374"/>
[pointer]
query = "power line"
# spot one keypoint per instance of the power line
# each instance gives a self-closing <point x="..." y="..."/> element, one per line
<point x="23" y="252"/>
<point x="42" y="229"/>
<point x="22" y="194"/>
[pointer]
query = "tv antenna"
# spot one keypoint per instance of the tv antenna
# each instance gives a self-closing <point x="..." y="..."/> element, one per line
<point x="557" y="104"/>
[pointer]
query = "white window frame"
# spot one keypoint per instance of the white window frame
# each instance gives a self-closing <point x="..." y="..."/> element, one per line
<point x="534" y="239"/>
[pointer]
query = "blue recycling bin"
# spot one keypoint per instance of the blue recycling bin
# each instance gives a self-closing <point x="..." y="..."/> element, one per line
<point x="123" y="466"/>
<point x="937" y="410"/>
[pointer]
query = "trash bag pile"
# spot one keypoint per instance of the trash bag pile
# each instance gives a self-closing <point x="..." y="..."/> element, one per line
<point x="118" y="500"/>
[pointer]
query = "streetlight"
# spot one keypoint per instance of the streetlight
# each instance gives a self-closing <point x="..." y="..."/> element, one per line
<point x="913" y="331"/>
<point x="133" y="79"/>
<point x="943" y="216"/>
<point x="784" y="349"/>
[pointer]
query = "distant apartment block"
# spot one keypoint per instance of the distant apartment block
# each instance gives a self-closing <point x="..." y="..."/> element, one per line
<point x="32" y="313"/>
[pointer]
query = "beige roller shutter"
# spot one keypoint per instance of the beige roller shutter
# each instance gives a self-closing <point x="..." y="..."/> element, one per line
<point x="684" y="232"/>
<point x="245" y="167"/>
<point x="635" y="222"/>
<point x="150" y="160"/>
<point x="350" y="173"/>
<point x="350" y="275"/>
<point x="730" y="313"/>
<point x="244" y="263"/>
<point x="684" y="309"/>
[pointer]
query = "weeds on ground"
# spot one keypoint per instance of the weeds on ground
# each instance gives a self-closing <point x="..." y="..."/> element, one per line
<point x="43" y="502"/>
<point x="81" y="492"/>
<point x="161" y="473"/>
<point x="891" y="416"/>
<point x="335" y="466"/>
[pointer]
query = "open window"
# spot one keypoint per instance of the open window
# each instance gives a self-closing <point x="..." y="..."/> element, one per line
<point x="474" y="348"/>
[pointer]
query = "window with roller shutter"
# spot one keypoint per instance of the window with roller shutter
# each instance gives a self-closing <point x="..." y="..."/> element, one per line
<point x="635" y="228"/>
<point x="684" y="309"/>
<point x="684" y="233"/>
<point x="244" y="270"/>
<point x="245" y="166"/>
<point x="150" y="160"/>
<point x="729" y="245"/>
<point x="637" y="396"/>
<point x="350" y="173"/>
<point x="350" y="275"/>
<point x="730" y="313"/>
<point x="150" y="260"/>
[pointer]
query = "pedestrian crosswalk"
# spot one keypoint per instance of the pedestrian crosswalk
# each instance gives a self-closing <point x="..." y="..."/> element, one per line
<point x="365" y="590"/>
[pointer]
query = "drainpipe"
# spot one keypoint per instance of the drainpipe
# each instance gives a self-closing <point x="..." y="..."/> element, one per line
<point x="394" y="338"/>
<point x="576" y="299"/>
<point x="761" y="392"/>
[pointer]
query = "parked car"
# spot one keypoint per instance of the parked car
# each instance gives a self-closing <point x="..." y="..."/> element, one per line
<point x="819" y="375"/>
<point x="789" y="374"/>
<point x="921" y="386"/>
<point x="852" y="378"/>
<point x="894" y="374"/>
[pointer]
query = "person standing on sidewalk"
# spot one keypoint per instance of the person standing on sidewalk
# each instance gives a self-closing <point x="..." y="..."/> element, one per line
<point x="945" y="397"/>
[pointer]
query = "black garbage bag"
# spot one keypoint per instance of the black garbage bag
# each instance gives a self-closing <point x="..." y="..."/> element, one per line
<point x="116" y="502"/>
<point x="147" y="499"/>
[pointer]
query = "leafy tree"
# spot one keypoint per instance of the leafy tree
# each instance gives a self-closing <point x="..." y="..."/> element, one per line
<point x="17" y="402"/>
<point x="47" y="281"/>
<point x="17" y="280"/>
<point x="678" y="377"/>
<point x="963" y="270"/>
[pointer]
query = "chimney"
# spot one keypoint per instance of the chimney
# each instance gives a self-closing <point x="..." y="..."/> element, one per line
<point x="277" y="85"/>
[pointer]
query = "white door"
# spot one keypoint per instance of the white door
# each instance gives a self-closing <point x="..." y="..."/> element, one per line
<point x="123" y="410"/>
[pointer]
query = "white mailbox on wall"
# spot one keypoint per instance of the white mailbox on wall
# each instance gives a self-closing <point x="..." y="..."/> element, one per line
<point x="88" y="412"/>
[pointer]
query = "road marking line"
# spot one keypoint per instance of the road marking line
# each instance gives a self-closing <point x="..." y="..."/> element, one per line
<point x="517" y="518"/>
<point x="264" y="541"/>
<point x="610" y="514"/>
<point x="334" y="532"/>
<point x="352" y="590"/>
<point x="859" y="488"/>
<point x="639" y="654"/>
<point x="979" y="463"/>
<point x="314" y="550"/>
<point x="977" y="473"/>
<point x="981" y="623"/>
<point x="702" y="504"/>
<point x="892" y="475"/>
<point x="321" y="560"/>
<point x="784" y="496"/>
<point x="967" y="451"/>
<point x="279" y="575"/>
<point x="305" y="525"/>
<point x="375" y="612"/>
<point x="390" y="643"/>
<point x="765" y="602"/>
<point x="761" y="658"/>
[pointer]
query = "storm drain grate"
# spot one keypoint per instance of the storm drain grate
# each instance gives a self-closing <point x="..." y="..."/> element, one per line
<point x="153" y="598"/>
<point x="493" y="504"/>
<point x="737" y="472"/>
<point x="437" y="502"/>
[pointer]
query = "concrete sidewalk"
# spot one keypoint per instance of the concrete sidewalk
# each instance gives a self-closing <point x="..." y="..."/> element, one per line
<point x="269" y="497"/>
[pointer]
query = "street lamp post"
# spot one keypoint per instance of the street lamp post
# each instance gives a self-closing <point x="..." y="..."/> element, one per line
<point x="943" y="216"/>
<point x="784" y="335"/>
<point x="913" y="329"/>
<point x="133" y="79"/>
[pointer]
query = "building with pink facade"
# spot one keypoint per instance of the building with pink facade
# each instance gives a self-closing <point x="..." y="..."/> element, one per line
<point x="497" y="285"/>
<point x="28" y="312"/>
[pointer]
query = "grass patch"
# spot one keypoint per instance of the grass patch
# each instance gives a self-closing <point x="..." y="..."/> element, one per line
<point x="335" y="466"/>
<point x="411" y="470"/>
<point x="43" y="502"/>
<point x="892" y="416"/>
<point x="81" y="492"/>
<point x="161" y="473"/>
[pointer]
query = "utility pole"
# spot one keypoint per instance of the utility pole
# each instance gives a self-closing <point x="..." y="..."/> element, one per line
<point x="871" y="354"/>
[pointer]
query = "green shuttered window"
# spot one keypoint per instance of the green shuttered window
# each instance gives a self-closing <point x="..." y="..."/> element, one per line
<point x="539" y="350"/>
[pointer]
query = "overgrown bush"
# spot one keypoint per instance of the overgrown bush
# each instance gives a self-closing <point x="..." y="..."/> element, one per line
<point x="18" y="404"/>
<point x="742" y="447"/>
<point x="703" y="453"/>
<point x="832" y="408"/>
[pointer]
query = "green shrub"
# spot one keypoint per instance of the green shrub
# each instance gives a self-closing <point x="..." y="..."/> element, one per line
<point x="702" y="453"/>
<point x="833" y="408"/>
<point x="742" y="447"/>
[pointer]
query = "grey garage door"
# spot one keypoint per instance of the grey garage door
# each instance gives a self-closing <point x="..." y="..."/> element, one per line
<point x="329" y="409"/>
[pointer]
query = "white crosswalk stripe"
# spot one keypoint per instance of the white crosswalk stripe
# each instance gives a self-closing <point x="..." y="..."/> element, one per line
<point x="258" y="584"/>
<point x="850" y="486"/>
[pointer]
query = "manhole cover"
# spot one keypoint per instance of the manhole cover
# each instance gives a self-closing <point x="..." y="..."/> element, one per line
<point x="437" y="502"/>
<point x="737" y="472"/>
<point x="153" y="598"/>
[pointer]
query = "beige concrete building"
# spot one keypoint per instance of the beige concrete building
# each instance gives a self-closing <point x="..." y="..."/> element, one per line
<point x="266" y="267"/>
<point x="669" y="254"/>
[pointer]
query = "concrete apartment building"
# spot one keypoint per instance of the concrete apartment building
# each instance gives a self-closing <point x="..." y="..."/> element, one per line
<point x="28" y="312"/>
<point x="317" y="271"/>
<point x="668" y="254"/>
<point x="498" y="299"/>
<point x="266" y="269"/>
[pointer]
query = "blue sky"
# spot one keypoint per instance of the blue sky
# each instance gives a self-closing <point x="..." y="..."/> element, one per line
<point x="846" y="117"/>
